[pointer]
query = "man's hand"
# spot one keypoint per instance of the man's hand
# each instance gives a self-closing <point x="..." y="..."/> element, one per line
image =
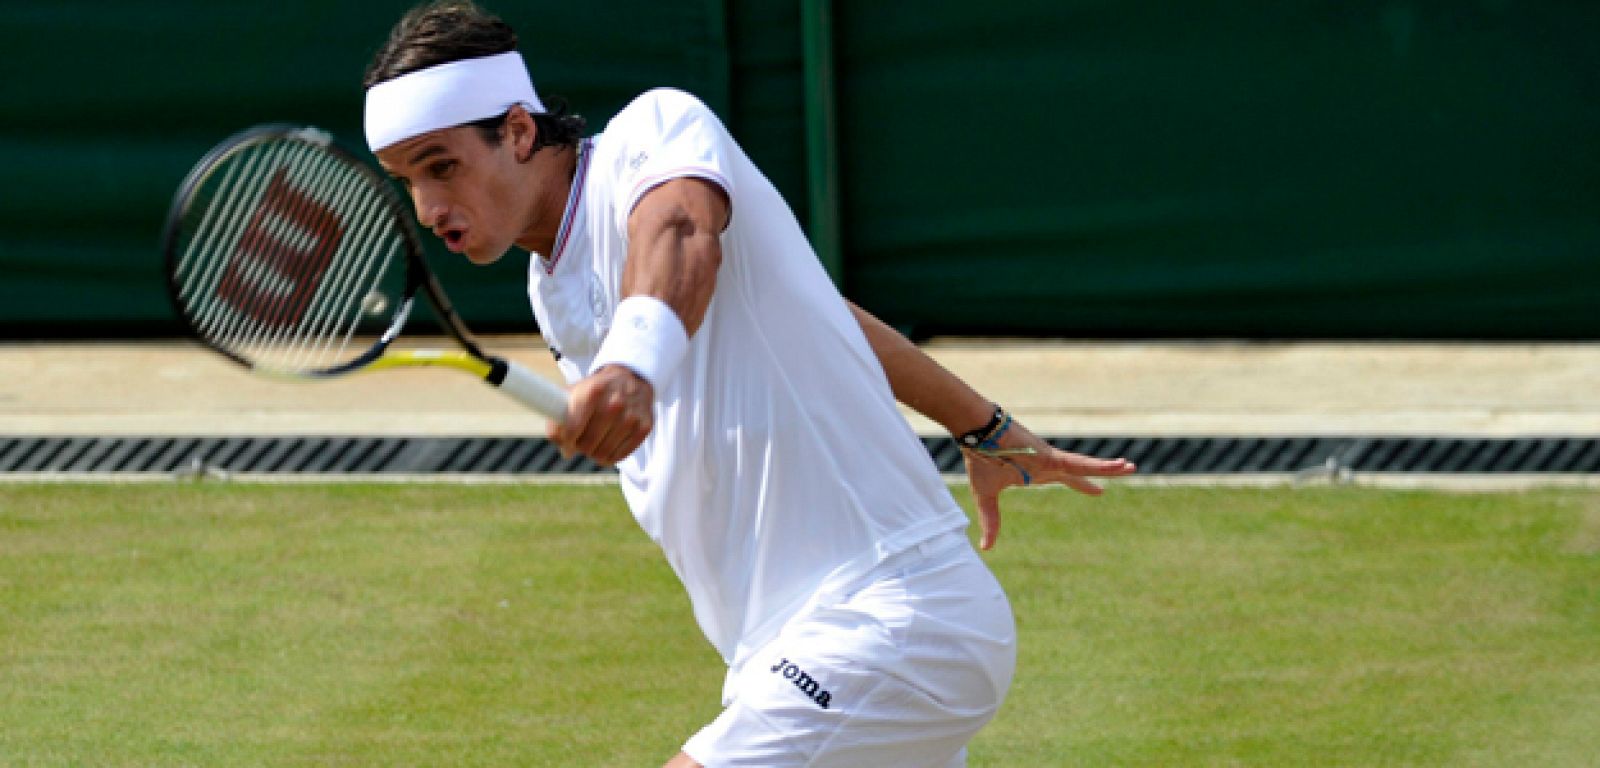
<point x="608" y="416"/>
<point x="1016" y="465"/>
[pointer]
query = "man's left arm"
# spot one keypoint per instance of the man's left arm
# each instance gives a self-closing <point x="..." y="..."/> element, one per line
<point x="929" y="389"/>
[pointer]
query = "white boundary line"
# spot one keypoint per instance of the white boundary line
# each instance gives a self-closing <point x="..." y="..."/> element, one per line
<point x="1509" y="481"/>
<point x="307" y="478"/>
<point x="1381" y="480"/>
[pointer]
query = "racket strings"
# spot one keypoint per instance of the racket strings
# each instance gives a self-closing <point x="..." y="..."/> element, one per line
<point x="234" y="295"/>
<point x="338" y="313"/>
<point x="204" y="273"/>
<point x="259" y="261"/>
<point x="316" y="333"/>
<point x="284" y="253"/>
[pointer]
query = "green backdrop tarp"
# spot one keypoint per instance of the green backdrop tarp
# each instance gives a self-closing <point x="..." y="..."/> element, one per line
<point x="1303" y="169"/>
<point x="1353" y="168"/>
<point x="105" y="105"/>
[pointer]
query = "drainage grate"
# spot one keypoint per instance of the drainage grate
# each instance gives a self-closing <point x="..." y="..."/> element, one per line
<point x="512" y="456"/>
<point x="1273" y="455"/>
<point x="287" y="455"/>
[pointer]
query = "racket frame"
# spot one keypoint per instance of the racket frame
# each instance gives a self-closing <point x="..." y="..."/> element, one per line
<point x="515" y="380"/>
<point x="418" y="276"/>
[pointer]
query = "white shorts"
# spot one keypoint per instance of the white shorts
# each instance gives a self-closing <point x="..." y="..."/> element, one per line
<point x="899" y="673"/>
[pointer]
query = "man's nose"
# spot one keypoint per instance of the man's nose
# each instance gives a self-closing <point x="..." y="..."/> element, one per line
<point x="430" y="210"/>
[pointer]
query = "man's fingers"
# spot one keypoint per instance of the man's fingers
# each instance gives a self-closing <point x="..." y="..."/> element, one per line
<point x="1078" y="464"/>
<point x="579" y="409"/>
<point x="626" y="433"/>
<point x="1073" y="470"/>
<point x="1082" y="485"/>
<point x="608" y="417"/>
<point x="988" y="519"/>
<point x="603" y="428"/>
<point x="559" y="438"/>
<point x="1027" y="460"/>
<point x="640" y="432"/>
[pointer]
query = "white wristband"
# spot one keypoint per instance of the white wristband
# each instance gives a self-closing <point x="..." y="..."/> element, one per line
<point x="647" y="337"/>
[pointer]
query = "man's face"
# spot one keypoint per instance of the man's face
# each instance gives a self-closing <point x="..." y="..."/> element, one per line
<point x="469" y="192"/>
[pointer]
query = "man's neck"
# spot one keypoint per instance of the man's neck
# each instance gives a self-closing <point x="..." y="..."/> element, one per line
<point x="551" y="170"/>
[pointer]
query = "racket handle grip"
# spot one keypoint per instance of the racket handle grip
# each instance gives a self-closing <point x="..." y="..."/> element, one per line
<point x="529" y="388"/>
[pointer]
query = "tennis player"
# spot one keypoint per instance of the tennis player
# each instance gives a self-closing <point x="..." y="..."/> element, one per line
<point x="749" y="408"/>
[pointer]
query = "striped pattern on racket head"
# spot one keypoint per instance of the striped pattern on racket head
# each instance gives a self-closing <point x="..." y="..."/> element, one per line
<point x="288" y="255"/>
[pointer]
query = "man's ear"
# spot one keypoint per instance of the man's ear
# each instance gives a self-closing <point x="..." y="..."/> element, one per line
<point x="521" y="131"/>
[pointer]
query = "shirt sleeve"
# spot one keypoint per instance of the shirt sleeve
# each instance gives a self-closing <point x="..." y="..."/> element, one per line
<point x="669" y="135"/>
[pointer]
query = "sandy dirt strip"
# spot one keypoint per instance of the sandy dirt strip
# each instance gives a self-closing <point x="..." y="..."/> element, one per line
<point x="175" y="388"/>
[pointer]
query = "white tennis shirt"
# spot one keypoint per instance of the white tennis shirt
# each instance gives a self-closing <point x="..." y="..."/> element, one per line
<point x="778" y="471"/>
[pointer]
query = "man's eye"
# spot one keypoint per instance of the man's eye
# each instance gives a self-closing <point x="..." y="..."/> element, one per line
<point x="441" y="168"/>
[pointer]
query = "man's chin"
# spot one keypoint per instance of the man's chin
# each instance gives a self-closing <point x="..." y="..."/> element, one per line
<point x="484" y="257"/>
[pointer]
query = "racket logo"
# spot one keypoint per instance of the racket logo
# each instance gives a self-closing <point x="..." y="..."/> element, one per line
<point x="282" y="255"/>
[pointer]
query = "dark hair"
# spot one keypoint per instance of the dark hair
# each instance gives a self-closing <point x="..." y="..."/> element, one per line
<point x="450" y="30"/>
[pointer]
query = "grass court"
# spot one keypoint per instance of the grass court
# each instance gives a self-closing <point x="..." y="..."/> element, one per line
<point x="438" y="624"/>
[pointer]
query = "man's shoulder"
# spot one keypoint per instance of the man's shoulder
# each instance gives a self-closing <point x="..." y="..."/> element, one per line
<point x="657" y="107"/>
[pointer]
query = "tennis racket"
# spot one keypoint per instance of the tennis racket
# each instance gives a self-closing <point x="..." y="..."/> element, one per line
<point x="291" y="257"/>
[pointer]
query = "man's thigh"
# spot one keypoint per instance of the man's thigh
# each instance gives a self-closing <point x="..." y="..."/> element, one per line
<point x="903" y="673"/>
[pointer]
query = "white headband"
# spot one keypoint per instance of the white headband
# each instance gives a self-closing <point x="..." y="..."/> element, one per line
<point x="447" y="95"/>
